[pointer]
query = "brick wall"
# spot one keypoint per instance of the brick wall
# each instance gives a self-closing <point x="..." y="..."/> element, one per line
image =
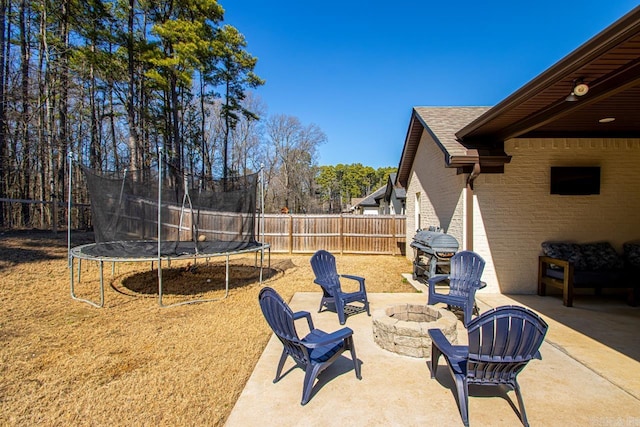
<point x="515" y="212"/>
<point x="441" y="193"/>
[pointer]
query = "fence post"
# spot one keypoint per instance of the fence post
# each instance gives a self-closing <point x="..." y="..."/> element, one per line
<point x="54" y="208"/>
<point x="290" y="234"/>
<point x="341" y="231"/>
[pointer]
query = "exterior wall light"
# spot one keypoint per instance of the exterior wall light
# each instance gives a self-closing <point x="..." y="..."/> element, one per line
<point x="580" y="88"/>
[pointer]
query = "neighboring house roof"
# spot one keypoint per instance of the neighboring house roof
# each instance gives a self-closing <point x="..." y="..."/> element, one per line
<point x="372" y="199"/>
<point x="609" y="64"/>
<point x="400" y="191"/>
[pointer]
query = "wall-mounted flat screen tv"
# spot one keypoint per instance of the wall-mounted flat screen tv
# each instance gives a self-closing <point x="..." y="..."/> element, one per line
<point x="575" y="180"/>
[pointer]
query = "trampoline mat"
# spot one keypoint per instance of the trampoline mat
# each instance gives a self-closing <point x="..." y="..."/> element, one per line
<point x="148" y="249"/>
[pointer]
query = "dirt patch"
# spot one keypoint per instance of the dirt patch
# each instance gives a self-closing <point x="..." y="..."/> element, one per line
<point x="63" y="362"/>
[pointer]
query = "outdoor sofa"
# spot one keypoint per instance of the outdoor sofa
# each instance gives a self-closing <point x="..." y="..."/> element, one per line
<point x="567" y="266"/>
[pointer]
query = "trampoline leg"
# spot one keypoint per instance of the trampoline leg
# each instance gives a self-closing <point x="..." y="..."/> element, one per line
<point x="226" y="280"/>
<point x="160" y="283"/>
<point x="73" y="291"/>
<point x="101" y="284"/>
<point x="261" y="262"/>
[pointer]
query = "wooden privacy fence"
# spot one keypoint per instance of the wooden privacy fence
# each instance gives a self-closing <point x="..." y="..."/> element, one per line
<point x="339" y="233"/>
<point x="348" y="233"/>
<point x="39" y="214"/>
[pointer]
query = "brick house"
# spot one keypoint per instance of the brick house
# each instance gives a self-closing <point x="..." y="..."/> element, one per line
<point x="484" y="173"/>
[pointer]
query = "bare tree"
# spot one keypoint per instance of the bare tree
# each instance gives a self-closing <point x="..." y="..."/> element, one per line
<point x="3" y="119"/>
<point x="293" y="148"/>
<point x="247" y="138"/>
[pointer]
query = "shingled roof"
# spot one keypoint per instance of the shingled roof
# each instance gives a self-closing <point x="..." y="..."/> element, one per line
<point x="393" y="186"/>
<point x="442" y="123"/>
<point x="372" y="199"/>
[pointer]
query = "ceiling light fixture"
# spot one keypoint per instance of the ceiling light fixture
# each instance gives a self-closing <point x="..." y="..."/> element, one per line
<point x="580" y="88"/>
<point x="607" y="120"/>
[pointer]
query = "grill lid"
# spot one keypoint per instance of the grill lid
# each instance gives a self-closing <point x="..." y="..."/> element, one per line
<point x="436" y="240"/>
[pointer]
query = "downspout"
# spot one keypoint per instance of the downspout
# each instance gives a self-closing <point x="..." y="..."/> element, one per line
<point x="469" y="202"/>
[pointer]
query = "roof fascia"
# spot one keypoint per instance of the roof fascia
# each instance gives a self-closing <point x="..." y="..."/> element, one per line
<point x="407" y="156"/>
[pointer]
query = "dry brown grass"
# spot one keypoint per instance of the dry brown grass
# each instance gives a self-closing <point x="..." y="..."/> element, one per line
<point x="63" y="362"/>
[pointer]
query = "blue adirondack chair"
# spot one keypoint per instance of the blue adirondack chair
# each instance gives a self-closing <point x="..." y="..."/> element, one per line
<point x="501" y="343"/>
<point x="464" y="281"/>
<point x="325" y="270"/>
<point x="314" y="352"/>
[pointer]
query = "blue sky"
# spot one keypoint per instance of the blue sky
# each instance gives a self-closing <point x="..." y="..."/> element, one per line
<point x="356" y="68"/>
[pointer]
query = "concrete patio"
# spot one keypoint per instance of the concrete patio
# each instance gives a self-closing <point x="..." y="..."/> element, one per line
<point x="589" y="374"/>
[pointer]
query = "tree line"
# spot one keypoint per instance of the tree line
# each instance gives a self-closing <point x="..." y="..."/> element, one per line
<point x="116" y="83"/>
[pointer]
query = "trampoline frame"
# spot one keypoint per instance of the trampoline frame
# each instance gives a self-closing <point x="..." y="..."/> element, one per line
<point x="76" y="252"/>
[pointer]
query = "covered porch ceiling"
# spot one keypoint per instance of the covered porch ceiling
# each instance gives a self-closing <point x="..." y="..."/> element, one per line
<point x="609" y="64"/>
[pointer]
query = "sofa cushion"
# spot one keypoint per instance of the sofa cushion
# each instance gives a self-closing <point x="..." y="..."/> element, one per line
<point x="600" y="256"/>
<point x="565" y="251"/>
<point x="632" y="254"/>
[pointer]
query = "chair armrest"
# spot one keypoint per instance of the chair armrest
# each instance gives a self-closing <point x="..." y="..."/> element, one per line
<point x="453" y="352"/>
<point x="334" y="337"/>
<point x="358" y="278"/>
<point x="327" y="285"/>
<point x="300" y="314"/>
<point x="479" y="284"/>
<point x="437" y="279"/>
<point x="326" y="282"/>
<point x="556" y="261"/>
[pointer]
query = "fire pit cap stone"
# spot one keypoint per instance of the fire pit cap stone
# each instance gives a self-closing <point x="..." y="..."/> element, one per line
<point x="384" y="322"/>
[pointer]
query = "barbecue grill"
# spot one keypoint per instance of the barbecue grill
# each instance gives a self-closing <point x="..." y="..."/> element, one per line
<point x="433" y="250"/>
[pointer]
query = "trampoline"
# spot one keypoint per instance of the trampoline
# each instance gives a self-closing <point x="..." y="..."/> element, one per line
<point x="145" y="217"/>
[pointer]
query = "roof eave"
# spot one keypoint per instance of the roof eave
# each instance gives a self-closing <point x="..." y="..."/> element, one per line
<point x="620" y="30"/>
<point x="409" y="149"/>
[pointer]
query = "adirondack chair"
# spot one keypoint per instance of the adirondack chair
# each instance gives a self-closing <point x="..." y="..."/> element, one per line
<point x="325" y="270"/>
<point x="315" y="352"/>
<point x="464" y="281"/>
<point x="501" y="343"/>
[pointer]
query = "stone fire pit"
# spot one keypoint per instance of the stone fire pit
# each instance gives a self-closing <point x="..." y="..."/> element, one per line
<point x="403" y="328"/>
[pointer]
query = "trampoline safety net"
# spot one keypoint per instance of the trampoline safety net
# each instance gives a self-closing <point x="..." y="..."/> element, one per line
<point x="197" y="215"/>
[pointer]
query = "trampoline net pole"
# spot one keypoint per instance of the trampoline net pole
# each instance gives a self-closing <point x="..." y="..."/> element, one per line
<point x="160" y="228"/>
<point x="69" y="213"/>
